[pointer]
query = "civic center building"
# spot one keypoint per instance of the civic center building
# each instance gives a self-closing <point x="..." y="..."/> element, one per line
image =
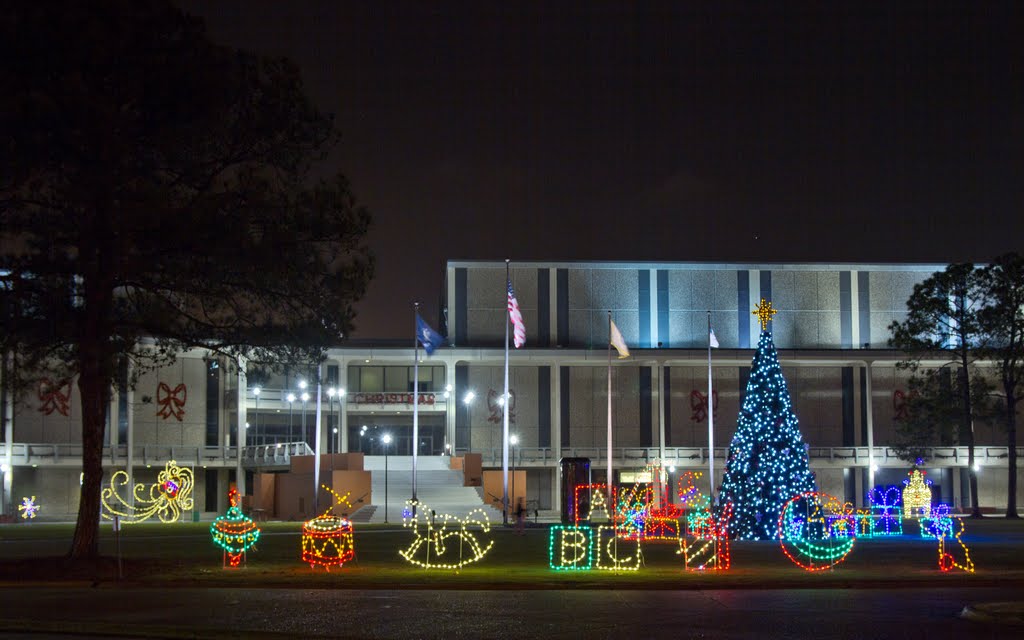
<point x="831" y="332"/>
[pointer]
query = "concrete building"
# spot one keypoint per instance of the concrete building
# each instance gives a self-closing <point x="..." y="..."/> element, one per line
<point x="831" y="333"/>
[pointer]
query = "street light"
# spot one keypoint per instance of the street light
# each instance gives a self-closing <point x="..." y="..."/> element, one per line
<point x="291" y="405"/>
<point x="305" y="398"/>
<point x="330" y="412"/>
<point x="342" y="427"/>
<point x="256" y="395"/>
<point x="386" y="439"/>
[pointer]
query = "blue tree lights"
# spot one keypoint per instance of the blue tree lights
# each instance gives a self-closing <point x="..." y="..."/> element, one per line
<point x="768" y="462"/>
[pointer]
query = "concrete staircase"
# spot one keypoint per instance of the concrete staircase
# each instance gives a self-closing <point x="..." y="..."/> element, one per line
<point x="437" y="487"/>
<point x="363" y="514"/>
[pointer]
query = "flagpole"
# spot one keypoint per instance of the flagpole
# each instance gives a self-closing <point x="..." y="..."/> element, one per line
<point x="505" y="407"/>
<point x="611" y="497"/>
<point x="415" y="394"/>
<point x="711" y="422"/>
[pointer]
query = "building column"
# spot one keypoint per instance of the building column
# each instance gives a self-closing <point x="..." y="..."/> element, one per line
<point x="343" y="404"/>
<point x="658" y="388"/>
<point x="242" y="394"/>
<point x="450" y="406"/>
<point x="318" y="436"/>
<point x="112" y="438"/>
<point x="9" y="441"/>
<point x="871" y="427"/>
<point x="556" y="435"/>
<point x="957" y="494"/>
<point x="130" y="444"/>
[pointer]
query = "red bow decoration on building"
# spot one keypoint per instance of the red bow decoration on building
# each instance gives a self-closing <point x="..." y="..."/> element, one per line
<point x="170" y="403"/>
<point x="53" y="397"/>
<point x="496" y="408"/>
<point x="699" y="404"/>
<point x="900" y="406"/>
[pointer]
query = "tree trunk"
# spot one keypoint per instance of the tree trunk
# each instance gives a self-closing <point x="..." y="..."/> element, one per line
<point x="93" y="388"/>
<point x="967" y="435"/>
<point x="95" y="377"/>
<point x="1011" y="460"/>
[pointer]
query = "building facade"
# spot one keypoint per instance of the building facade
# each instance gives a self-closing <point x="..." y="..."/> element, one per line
<point x="831" y="333"/>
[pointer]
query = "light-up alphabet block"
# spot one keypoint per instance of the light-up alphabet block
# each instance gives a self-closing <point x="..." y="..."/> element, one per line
<point x="614" y="554"/>
<point x="571" y="548"/>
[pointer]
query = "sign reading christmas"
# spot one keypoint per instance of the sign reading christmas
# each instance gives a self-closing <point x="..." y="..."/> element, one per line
<point x="390" y="398"/>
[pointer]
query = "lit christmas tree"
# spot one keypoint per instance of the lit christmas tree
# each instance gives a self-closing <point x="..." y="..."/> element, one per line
<point x="768" y="461"/>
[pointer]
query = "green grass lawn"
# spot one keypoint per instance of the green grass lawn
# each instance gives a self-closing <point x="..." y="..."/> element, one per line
<point x="183" y="555"/>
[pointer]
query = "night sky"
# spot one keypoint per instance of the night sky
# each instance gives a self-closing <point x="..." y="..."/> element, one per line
<point x="658" y="131"/>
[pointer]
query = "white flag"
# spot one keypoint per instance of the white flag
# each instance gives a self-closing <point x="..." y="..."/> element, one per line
<point x="713" y="339"/>
<point x="616" y="341"/>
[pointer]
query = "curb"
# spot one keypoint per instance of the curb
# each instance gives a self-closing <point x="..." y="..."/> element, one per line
<point x="1008" y="613"/>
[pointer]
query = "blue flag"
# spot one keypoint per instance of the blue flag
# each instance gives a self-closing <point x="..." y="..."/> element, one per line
<point x="429" y="338"/>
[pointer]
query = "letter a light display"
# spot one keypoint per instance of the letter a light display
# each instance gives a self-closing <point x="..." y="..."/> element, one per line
<point x="768" y="461"/>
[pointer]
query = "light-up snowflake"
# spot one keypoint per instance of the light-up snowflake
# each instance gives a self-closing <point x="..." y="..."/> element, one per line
<point x="28" y="508"/>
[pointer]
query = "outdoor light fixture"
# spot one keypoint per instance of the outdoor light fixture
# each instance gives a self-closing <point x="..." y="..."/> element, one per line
<point x="290" y="397"/>
<point x="330" y="392"/>
<point x="386" y="439"/>
<point x="256" y="391"/>
<point x="466" y="399"/>
<point x="341" y="392"/>
<point x="977" y="467"/>
<point x="302" y="384"/>
<point x="448" y="387"/>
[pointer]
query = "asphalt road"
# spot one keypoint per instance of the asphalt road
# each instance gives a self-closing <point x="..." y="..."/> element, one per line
<point x="530" y="615"/>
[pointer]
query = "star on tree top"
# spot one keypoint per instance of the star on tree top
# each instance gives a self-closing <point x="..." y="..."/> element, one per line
<point x="764" y="313"/>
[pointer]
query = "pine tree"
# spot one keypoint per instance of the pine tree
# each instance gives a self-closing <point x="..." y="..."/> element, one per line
<point x="768" y="462"/>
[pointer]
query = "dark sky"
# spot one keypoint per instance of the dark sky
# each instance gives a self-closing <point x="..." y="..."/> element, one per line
<point x="718" y="131"/>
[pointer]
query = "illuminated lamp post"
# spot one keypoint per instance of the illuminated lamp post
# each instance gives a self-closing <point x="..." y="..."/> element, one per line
<point x="330" y="411"/>
<point x="305" y="399"/>
<point x="338" y="423"/>
<point x="291" y="406"/>
<point x="386" y="439"/>
<point x="256" y="397"/>
<point x="447" y="412"/>
<point x="467" y="401"/>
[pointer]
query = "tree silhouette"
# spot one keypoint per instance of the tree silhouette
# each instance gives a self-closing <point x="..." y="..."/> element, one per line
<point x="942" y="322"/>
<point x="156" y="195"/>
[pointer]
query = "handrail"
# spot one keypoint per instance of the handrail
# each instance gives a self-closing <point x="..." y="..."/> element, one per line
<point x="947" y="456"/>
<point x="70" y="455"/>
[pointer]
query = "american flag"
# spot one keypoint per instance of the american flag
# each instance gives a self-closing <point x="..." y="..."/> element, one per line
<point x="519" y="329"/>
